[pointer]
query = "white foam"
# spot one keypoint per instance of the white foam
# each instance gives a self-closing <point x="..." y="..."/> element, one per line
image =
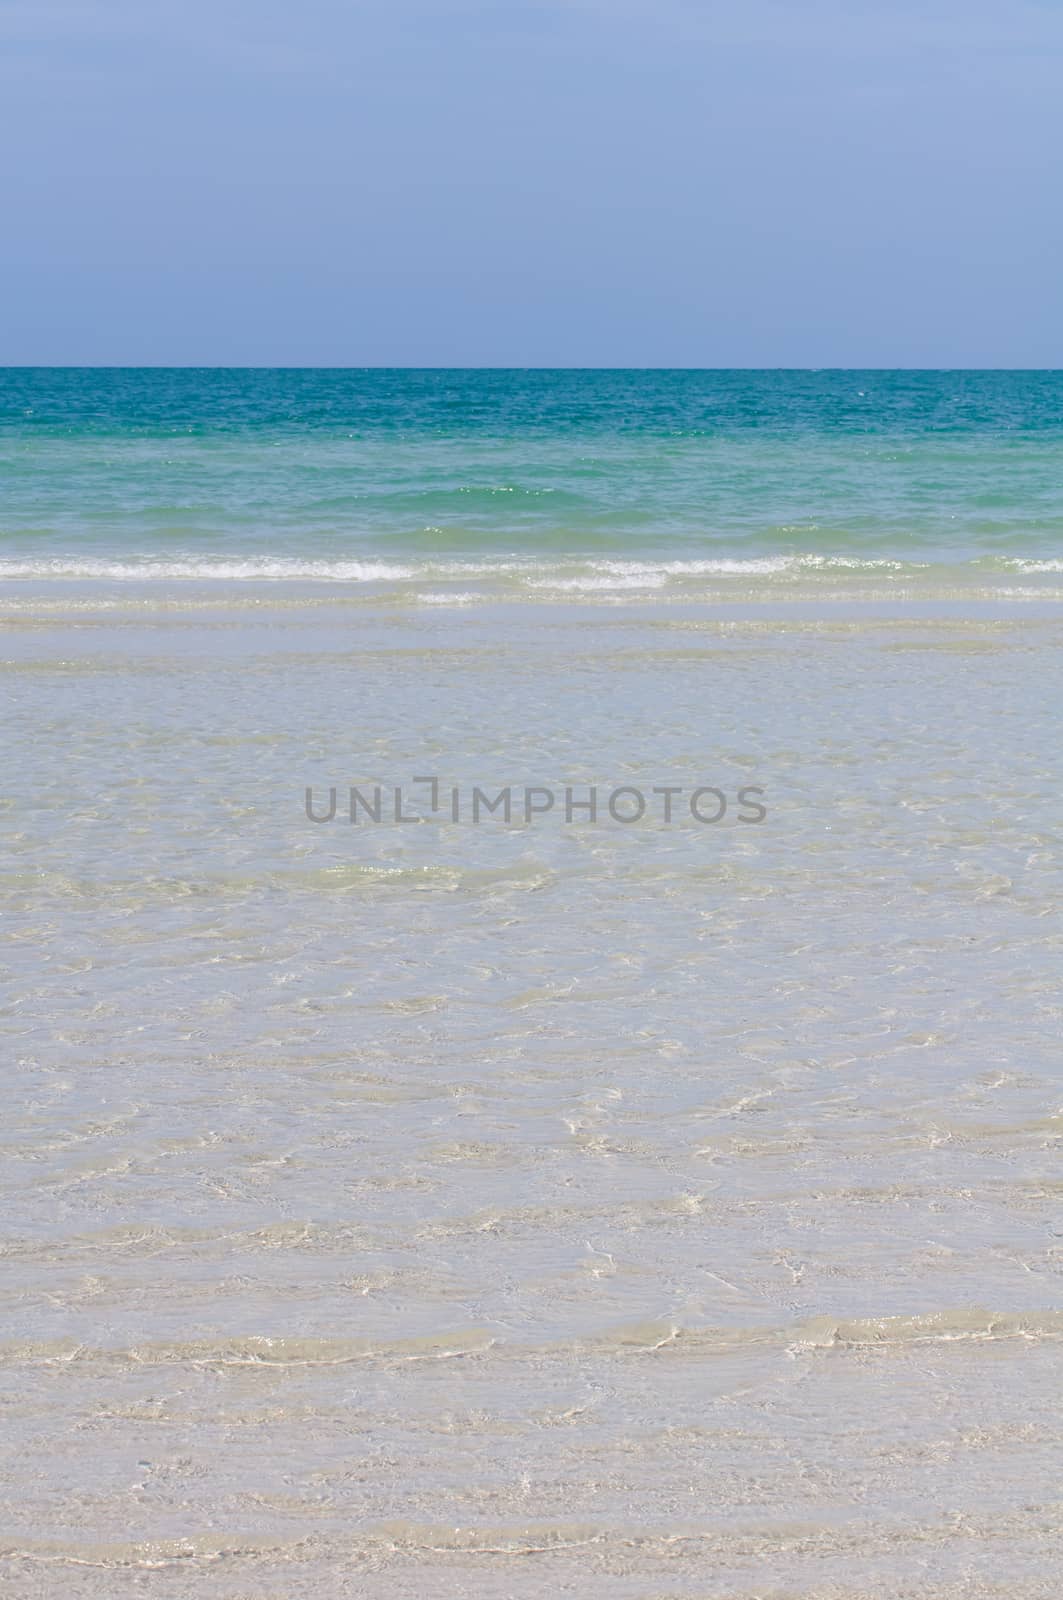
<point x="264" y="567"/>
<point x="651" y="580"/>
<point x="574" y="574"/>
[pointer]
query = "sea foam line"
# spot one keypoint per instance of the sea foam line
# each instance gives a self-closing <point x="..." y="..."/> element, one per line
<point x="575" y="572"/>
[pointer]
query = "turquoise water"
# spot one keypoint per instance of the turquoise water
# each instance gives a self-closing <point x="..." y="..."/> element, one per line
<point x="377" y="475"/>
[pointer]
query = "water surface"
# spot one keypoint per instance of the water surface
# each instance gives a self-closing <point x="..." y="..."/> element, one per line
<point x="505" y="1210"/>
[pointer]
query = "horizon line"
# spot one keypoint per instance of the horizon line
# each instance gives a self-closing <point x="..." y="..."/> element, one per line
<point x="267" y="366"/>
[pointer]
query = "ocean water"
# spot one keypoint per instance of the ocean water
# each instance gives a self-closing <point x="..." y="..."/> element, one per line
<point x="439" y="1205"/>
<point x="526" y="484"/>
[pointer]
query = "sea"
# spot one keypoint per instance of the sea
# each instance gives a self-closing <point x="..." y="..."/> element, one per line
<point x="530" y="950"/>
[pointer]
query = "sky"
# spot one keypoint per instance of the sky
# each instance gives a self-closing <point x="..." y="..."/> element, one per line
<point x="698" y="183"/>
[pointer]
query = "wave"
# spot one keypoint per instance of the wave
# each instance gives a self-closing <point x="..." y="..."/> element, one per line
<point x="602" y="1547"/>
<point x="465" y="581"/>
<point x="820" y="1333"/>
<point x="148" y="566"/>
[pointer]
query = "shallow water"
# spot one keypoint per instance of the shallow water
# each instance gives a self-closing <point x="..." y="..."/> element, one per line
<point x="618" y="1209"/>
<point x="478" y="1206"/>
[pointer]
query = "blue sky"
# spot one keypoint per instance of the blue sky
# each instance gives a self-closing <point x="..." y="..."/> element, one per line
<point x="499" y="182"/>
